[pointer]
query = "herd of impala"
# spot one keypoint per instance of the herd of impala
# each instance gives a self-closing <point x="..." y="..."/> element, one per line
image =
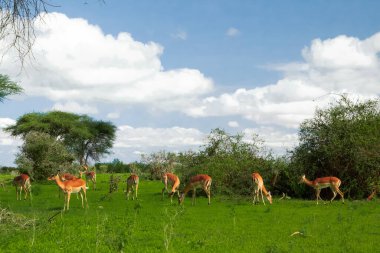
<point x="68" y="184"/>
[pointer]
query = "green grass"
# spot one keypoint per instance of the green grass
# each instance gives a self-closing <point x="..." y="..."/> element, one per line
<point x="113" y="224"/>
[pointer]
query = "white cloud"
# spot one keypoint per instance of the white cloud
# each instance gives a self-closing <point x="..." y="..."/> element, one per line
<point x="232" y="32"/>
<point x="233" y="124"/>
<point x="75" y="108"/>
<point x="8" y="143"/>
<point x="334" y="66"/>
<point x="277" y="139"/>
<point x="75" y="62"/>
<point x="128" y="136"/>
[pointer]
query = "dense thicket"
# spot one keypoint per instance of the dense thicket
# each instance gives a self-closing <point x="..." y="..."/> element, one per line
<point x="342" y="140"/>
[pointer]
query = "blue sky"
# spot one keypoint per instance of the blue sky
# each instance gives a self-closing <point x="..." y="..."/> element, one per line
<point x="167" y="72"/>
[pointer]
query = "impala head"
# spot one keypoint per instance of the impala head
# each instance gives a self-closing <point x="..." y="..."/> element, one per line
<point x="269" y="197"/>
<point x="302" y="179"/>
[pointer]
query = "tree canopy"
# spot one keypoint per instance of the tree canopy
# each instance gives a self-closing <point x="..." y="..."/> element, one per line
<point x="8" y="87"/>
<point x="83" y="136"/>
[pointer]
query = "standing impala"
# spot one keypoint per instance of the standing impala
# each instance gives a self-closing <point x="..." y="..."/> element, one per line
<point x="199" y="181"/>
<point x="22" y="182"/>
<point x="132" y="186"/>
<point x="324" y="182"/>
<point x="65" y="177"/>
<point x="71" y="186"/>
<point x="171" y="180"/>
<point x="259" y="188"/>
<point x="90" y="175"/>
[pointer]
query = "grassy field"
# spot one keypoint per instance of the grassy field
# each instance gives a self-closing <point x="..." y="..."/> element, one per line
<point x="113" y="224"/>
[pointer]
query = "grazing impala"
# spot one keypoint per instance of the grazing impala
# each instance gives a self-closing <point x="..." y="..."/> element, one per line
<point x="22" y="183"/>
<point x="199" y="181"/>
<point x="90" y="175"/>
<point x="132" y="186"/>
<point x="71" y="186"/>
<point x="324" y="182"/>
<point x="259" y="188"/>
<point x="171" y="180"/>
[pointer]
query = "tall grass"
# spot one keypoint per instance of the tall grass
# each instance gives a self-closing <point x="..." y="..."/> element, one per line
<point x="113" y="224"/>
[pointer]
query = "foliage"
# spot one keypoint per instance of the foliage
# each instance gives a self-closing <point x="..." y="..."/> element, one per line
<point x="228" y="159"/>
<point x="42" y="155"/>
<point x="7" y="87"/>
<point x="160" y="163"/>
<point x="84" y="137"/>
<point x="344" y="141"/>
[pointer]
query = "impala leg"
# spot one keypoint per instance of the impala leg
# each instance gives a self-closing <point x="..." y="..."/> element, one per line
<point x="318" y="191"/>
<point x="193" y="200"/>
<point x="136" y="189"/>
<point x="85" y="195"/>
<point x="65" y="202"/>
<point x="334" y="193"/>
<point x="81" y="196"/>
<point x="68" y="200"/>
<point x="209" y="196"/>
<point x="163" y="192"/>
<point x="341" y="194"/>
<point x="262" y="197"/>
<point x="128" y="190"/>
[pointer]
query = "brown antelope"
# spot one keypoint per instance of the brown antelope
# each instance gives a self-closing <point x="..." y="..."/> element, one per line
<point x="324" y="182"/>
<point x="199" y="181"/>
<point x="171" y="180"/>
<point x="71" y="186"/>
<point x="259" y="188"/>
<point x="132" y="186"/>
<point x="22" y="183"/>
<point x="65" y="177"/>
<point x="90" y="175"/>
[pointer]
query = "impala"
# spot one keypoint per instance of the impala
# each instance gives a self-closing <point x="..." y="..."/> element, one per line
<point x="132" y="185"/>
<point x="90" y="175"/>
<point x="22" y="183"/>
<point x="199" y="181"/>
<point x="71" y="186"/>
<point x="259" y="188"/>
<point x="65" y="177"/>
<point x="171" y="180"/>
<point x="324" y="182"/>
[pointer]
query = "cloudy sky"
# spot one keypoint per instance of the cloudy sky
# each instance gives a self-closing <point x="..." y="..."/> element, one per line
<point x="168" y="72"/>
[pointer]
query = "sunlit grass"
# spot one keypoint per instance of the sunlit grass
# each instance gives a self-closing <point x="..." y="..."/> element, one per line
<point x="113" y="224"/>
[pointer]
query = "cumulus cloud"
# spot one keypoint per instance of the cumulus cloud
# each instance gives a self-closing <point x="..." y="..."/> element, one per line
<point x="128" y="136"/>
<point x="76" y="63"/>
<point x="333" y="66"/>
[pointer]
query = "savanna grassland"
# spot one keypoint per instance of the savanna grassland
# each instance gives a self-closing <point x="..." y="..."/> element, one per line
<point x="113" y="224"/>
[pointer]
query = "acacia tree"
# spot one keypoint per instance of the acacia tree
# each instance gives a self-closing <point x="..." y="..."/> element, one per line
<point x="83" y="136"/>
<point x="342" y="140"/>
<point x="8" y="87"/>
